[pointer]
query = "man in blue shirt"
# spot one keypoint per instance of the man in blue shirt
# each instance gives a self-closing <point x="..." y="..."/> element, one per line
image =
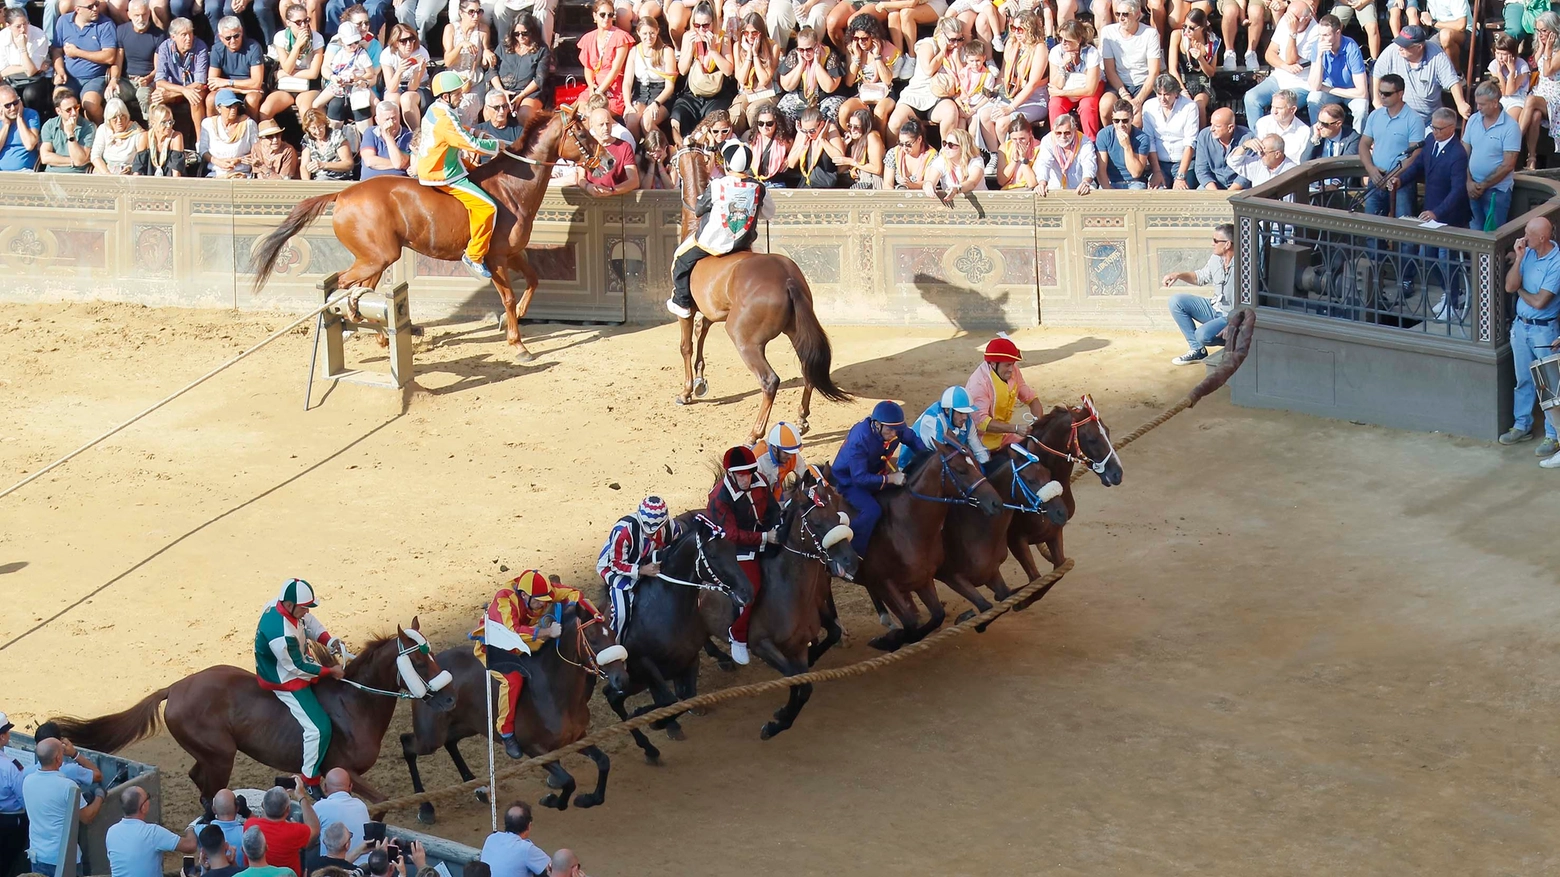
<point x="13" y="812"/>
<point x="85" y="44"/>
<point x="1390" y="131"/>
<point x="1534" y="277"/>
<point x="1126" y="151"/>
<point x="1338" y="72"/>
<point x="52" y="801"/>
<point x="237" y="63"/>
<point x="19" y="138"/>
<point x="183" y="64"/>
<point x="510" y="852"/>
<point x="387" y="147"/>
<point x="1211" y="151"/>
<point x="75" y="767"/>
<point x="1493" y="139"/>
<point x="135" y="846"/>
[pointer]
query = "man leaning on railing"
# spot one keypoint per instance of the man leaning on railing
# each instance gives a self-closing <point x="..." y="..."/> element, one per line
<point x="1534" y="276"/>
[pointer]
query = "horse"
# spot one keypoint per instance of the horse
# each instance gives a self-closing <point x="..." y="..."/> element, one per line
<point x="221" y="711"/>
<point x="906" y="548"/>
<point x="376" y="218"/>
<point x="554" y="708"/>
<point x="1062" y="437"/>
<point x="698" y="592"/>
<point x="758" y="296"/>
<point x="974" y="545"/>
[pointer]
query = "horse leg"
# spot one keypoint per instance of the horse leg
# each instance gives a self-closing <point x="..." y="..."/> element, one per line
<point x="905" y="611"/>
<point x="512" y="312"/>
<point x="1054" y="543"/>
<point x="831" y="637"/>
<point x="965" y="589"/>
<point x="425" y="813"/>
<point x="661" y="694"/>
<point x="685" y="346"/>
<point x="802" y="426"/>
<point x="687" y="686"/>
<point x="927" y="591"/>
<point x="786" y="665"/>
<point x="702" y="324"/>
<point x="532" y="281"/>
<point x="884" y="618"/>
<point x="617" y="700"/>
<point x="557" y="778"/>
<point x="753" y="357"/>
<point x="603" y="767"/>
<point x="1018" y="546"/>
<point x="722" y="660"/>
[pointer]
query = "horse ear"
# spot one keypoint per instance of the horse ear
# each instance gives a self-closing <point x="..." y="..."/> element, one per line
<point x="415" y="624"/>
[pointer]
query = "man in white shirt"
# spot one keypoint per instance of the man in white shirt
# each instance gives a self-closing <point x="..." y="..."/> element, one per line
<point x="1285" y="122"/>
<point x="1261" y="160"/>
<point x="340" y="806"/>
<point x="1132" y="58"/>
<point x="1067" y="161"/>
<point x="510" y="853"/>
<point x="1289" y="53"/>
<point x="1170" y="121"/>
<point x="1450" y="20"/>
<point x="135" y="846"/>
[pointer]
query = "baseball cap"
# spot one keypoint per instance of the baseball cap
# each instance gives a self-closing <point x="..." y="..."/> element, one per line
<point x="348" y="33"/>
<point x="1412" y="35"/>
<point x="227" y="97"/>
<point x="5" y="724"/>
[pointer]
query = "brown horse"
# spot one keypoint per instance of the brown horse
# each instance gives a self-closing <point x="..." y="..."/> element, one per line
<point x="222" y="710"/>
<point x="907" y="546"/>
<point x="1062" y="437"/>
<point x="554" y="707"/>
<point x="758" y="296"/>
<point x="378" y="217"/>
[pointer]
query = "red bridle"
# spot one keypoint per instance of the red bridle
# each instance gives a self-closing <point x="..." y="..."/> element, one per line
<point x="1073" y="451"/>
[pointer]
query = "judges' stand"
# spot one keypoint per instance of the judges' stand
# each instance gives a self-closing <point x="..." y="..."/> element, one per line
<point x="1386" y="321"/>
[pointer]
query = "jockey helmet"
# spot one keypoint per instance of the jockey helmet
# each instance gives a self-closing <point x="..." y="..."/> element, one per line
<point x="297" y="592"/>
<point x="783" y="438"/>
<point x="1002" y="349"/>
<point x="531" y="584"/>
<point x="957" y="399"/>
<point x="652" y="514"/>
<point x="736" y="157"/>
<point x="446" y="81"/>
<point x="888" y="413"/>
<point x="739" y="459"/>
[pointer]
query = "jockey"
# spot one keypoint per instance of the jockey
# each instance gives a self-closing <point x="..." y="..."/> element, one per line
<point x="779" y="457"/>
<point x="630" y="554"/>
<point x="863" y="470"/>
<point x="742" y="506"/>
<point x="284" y="667"/>
<point x="995" y="387"/>
<point x="728" y="212"/>
<point x="440" y="142"/>
<point x="519" y="621"/>
<point x="949" y="419"/>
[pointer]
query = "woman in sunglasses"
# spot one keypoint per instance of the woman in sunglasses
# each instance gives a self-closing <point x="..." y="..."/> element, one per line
<point x="405" y="65"/>
<point x="770" y="142"/>
<point x="524" y="67"/>
<point x="299" y="51"/>
<point x="870" y="58"/>
<point x="957" y="169"/>
<point x="604" y="54"/>
<point x="468" y="50"/>
<point x="757" y="62"/>
<point x="904" y="167"/>
<point x="707" y="69"/>
<point x="1025" y="74"/>
<point x="863" y="151"/>
<point x="1192" y="50"/>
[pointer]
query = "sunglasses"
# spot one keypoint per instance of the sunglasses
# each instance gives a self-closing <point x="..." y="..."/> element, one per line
<point x="762" y="123"/>
<point x="475" y="11"/>
<point x="603" y="14"/>
<point x="862" y="38"/>
<point x="854" y="128"/>
<point x="954" y="41"/>
<point x="1389" y="93"/>
<point x="231" y="36"/>
<point x="1218" y="241"/>
<point x="71" y="108"/>
<point x="297" y="21"/>
<point x="810" y="132"/>
<point x="1330" y="123"/>
<point x="721" y="132"/>
<point x="1123" y="16"/>
<point x="12" y="105"/>
<point x="1122" y="121"/>
<point x="701" y="25"/>
<point x="406" y="41"/>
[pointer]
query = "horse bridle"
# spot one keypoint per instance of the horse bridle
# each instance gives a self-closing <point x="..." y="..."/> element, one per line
<point x="1073" y="451"/>
<point x="582" y="646"/>
<point x="966" y="494"/>
<point x="590" y="152"/>
<point x="404" y="653"/>
<point x="682" y="193"/>
<point x="704" y="571"/>
<point x="1027" y="499"/>
<point x="819" y="552"/>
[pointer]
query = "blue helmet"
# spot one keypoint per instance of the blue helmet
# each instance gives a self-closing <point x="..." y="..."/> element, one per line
<point x="889" y="413"/>
<point x="957" y="399"/>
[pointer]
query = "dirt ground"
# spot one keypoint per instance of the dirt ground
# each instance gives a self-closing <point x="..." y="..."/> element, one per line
<point x="1290" y="645"/>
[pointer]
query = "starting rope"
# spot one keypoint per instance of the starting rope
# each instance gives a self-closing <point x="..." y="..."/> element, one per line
<point x="1238" y="337"/>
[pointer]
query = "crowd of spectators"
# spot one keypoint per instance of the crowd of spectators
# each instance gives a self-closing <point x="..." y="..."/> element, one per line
<point x="946" y="97"/>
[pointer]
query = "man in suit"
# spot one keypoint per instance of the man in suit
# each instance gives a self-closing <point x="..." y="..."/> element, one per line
<point x="1443" y="166"/>
<point x="1330" y="137"/>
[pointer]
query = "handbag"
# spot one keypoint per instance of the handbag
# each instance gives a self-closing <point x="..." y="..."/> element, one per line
<point x="944" y="85"/>
<point x="872" y="92"/>
<point x="705" y="83"/>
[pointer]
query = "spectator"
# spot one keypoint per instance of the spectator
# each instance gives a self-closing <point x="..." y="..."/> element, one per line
<point x="654" y="153"/>
<point x="1171" y="125"/>
<point x="510" y="853"/>
<point x="870" y="58"/>
<point x="1534" y="277"/>
<point x="1025" y="71"/>
<point x="1066" y="160"/>
<point x="783" y="17"/>
<point x="225" y="816"/>
<point x="1425" y="69"/>
<point x="339" y="805"/>
<point x="925" y="96"/>
<point x="1132" y="59"/>
<point x="237" y="64"/>
<point x="1330" y="138"/>
<point x="217" y="856"/>
<point x="256" y="851"/>
<point x="1293" y="46"/>
<point x="757" y="61"/>
<point x="1202" y="320"/>
<point x="468" y="51"/>
<point x="566" y="864"/>
<point x="864" y="151"/>
<point x="13" y="812"/>
<point x="337" y="851"/>
<point x="1544" y="103"/>
<point x="325" y="154"/>
<point x="76" y="766"/>
<point x="135" y="847"/>
<point x="19" y="138"/>
<point x="706" y="70"/>
<point x="1521" y="17"/>
<point x="905" y="166"/>
<point x="497" y="121"/>
<point x="1260" y="159"/>
<point x="226" y="140"/>
<point x="24" y="60"/>
<point x="1512" y="75"/>
<point x="624" y="175"/>
<point x="52" y="799"/>
<point x="284" y="840"/>
<point x="1493" y="142"/>
<point x="387" y="147"/>
<point x="1018" y="157"/>
<point x="1338" y="73"/>
<point x="1192" y="50"/>
<point x="1212" y="151"/>
<point x="404" y="65"/>
<point x="1365" y="10"/>
<point x="350" y="73"/>
<point x="183" y="63"/>
<point x="816" y="153"/>
<point x="1391" y="131"/>
<point x="651" y="79"/>
<point x="1449" y="20"/>
<point x="117" y="143"/>
<point x="273" y="158"/>
<point x="1285" y="122"/>
<point x="975" y="99"/>
<point x="85" y="45"/>
<point x="67" y="138"/>
<point x="368" y="15"/>
<point x="604" y="55"/>
<point x="299" y="53"/>
<point x="165" y="155"/>
<point x="811" y="77"/>
<point x="524" y="67"/>
<point x="1124" y="152"/>
<point x="1254" y="15"/>
<point x="1076" y="76"/>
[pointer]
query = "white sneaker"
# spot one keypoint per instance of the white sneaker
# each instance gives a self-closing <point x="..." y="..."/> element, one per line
<point x="1229" y="60"/>
<point x="739" y="652"/>
<point x="678" y="310"/>
<point x="999" y="42"/>
<point x="1438" y="310"/>
<point x="1251" y="60"/>
<point x="1551" y="463"/>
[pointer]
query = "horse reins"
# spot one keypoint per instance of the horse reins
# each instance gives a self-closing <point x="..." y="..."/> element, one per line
<point x="1074" y="452"/>
<point x="582" y="646"/>
<point x="1022" y="492"/>
<point x="966" y="494"/>
<point x="401" y="651"/>
<point x="571" y="129"/>
<point x="702" y="568"/>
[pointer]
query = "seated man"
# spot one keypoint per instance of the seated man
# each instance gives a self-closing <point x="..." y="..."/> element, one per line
<point x="183" y="65"/>
<point x="728" y="212"/>
<point x="1261" y="159"/>
<point x="1067" y="159"/>
<point x="950" y="420"/>
<point x="1211" y="151"/>
<point x="779" y="456"/>
<point x="632" y="552"/>
<point x="741" y="504"/>
<point x="284" y="666"/>
<point x="996" y="388"/>
<point x="1213" y="313"/>
<point x="1330" y="137"/>
<point x="1125" y="154"/>
<point x="862" y="470"/>
<point x="1338" y="73"/>
<point x="440" y="142"/>
<point x="238" y="64"/>
<point x="272" y="158"/>
<point x="85" y="47"/>
<point x="623" y="174"/>
<point x="1285" y="121"/>
<point x="1170" y="121"/>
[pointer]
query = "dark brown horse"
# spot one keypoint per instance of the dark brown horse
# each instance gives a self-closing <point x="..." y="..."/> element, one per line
<point x="907" y="545"/>
<point x="554" y="707"/>
<point x="758" y="296"/>
<point x="1062" y="437"/>
<point x="974" y="545"/>
<point x="222" y="710"/>
<point x="378" y="217"/>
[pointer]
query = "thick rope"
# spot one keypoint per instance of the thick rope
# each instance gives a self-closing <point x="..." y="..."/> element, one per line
<point x="166" y="399"/>
<point x="1036" y="589"/>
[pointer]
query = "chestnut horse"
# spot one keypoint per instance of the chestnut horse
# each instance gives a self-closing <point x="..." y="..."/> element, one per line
<point x="758" y="296"/>
<point x="222" y="710"/>
<point x="376" y="218"/>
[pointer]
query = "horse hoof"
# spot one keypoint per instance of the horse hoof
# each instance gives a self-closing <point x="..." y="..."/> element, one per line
<point x="701" y="388"/>
<point x="683" y="400"/>
<point x="886" y="643"/>
<point x="968" y="614"/>
<point x="482" y="795"/>
<point x="701" y="711"/>
<point x="653" y="757"/>
<point x="523" y="355"/>
<point x="554" y="802"/>
<point x="425" y="814"/>
<point x="675" y="732"/>
<point x="769" y="730"/>
<point x="981" y="628"/>
<point x="802" y="427"/>
<point x="586" y="801"/>
<point x="728" y="665"/>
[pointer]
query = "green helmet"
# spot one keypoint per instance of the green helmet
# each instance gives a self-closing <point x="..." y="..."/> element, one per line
<point x="446" y="81"/>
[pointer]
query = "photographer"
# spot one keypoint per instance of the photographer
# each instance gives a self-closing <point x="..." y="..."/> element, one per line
<point x="285" y="840"/>
<point x="338" y="852"/>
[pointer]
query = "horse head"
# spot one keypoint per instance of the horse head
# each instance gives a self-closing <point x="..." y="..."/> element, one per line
<point x="1077" y="435"/>
<point x="592" y="646"/>
<point x="960" y="469"/>
<point x="1033" y="489"/>
<point x="824" y="523"/>
<point x="702" y="557"/>
<point x="576" y="144"/>
<point x="418" y="672"/>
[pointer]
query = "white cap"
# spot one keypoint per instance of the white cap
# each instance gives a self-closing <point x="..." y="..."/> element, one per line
<point x="5" y="724"/>
<point x="348" y="33"/>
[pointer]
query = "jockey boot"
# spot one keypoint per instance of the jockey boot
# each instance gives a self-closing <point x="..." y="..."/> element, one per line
<point x="511" y="746"/>
<point x="312" y="786"/>
<point x="739" y="650"/>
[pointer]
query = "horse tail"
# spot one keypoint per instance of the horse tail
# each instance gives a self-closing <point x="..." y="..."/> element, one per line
<point x="270" y="248"/>
<point x="812" y="344"/>
<point x="114" y="732"/>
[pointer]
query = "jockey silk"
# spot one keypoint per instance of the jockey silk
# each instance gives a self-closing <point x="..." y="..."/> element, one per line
<point x="282" y="659"/>
<point x="440" y="141"/>
<point x="736" y="204"/>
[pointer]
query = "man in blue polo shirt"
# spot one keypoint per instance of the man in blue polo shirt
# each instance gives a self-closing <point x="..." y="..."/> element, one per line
<point x="183" y="65"/>
<point x="135" y="846"/>
<point x="1338" y="73"/>
<point x="1390" y="130"/>
<point x="19" y="137"/>
<point x="52" y="801"/>
<point x="1493" y="139"/>
<point x="85" y="44"/>
<point x="1534" y="277"/>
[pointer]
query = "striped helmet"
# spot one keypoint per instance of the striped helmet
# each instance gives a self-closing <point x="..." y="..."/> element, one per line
<point x="297" y="592"/>
<point x="446" y="81"/>
<point x="783" y="437"/>
<point x="531" y="584"/>
<point x="957" y="399"/>
<point x="652" y="514"/>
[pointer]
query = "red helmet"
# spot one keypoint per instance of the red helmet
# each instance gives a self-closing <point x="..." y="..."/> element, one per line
<point x="739" y="458"/>
<point x="531" y="584"/>
<point x="1002" y="350"/>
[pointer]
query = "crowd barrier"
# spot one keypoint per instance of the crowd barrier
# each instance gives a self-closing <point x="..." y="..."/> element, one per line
<point x="996" y="260"/>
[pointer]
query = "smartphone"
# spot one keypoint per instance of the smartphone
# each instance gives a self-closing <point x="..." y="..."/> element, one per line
<point x="288" y="783"/>
<point x="189" y="866"/>
<point x="373" y="831"/>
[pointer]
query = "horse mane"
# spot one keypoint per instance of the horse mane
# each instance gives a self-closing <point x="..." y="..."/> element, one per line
<point x="371" y="649"/>
<point x="532" y="130"/>
<point x="1056" y="413"/>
